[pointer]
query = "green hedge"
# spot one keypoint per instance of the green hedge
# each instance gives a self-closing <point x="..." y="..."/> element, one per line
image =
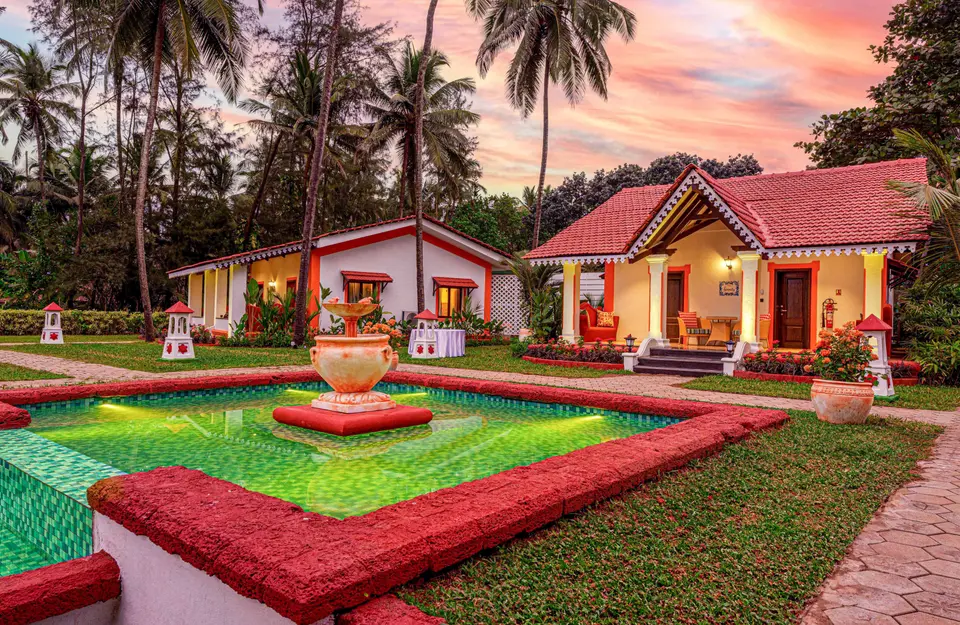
<point x="88" y="322"/>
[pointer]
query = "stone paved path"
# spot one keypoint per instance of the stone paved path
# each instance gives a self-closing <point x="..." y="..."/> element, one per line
<point x="904" y="568"/>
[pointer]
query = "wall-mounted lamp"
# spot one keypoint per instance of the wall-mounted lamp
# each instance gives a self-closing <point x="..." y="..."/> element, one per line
<point x="728" y="263"/>
<point x="272" y="284"/>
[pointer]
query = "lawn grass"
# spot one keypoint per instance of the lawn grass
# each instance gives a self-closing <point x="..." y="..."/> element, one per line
<point x="746" y="536"/>
<point x="13" y="373"/>
<point x="142" y="356"/>
<point x="920" y="397"/>
<point x="498" y="358"/>
<point x="71" y="338"/>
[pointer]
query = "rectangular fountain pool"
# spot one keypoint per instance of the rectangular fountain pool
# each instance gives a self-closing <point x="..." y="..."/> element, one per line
<point x="230" y="434"/>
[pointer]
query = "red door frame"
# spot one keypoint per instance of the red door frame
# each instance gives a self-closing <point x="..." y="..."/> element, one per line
<point x="814" y="268"/>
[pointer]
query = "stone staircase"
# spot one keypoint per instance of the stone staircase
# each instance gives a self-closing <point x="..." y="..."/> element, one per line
<point x="685" y="362"/>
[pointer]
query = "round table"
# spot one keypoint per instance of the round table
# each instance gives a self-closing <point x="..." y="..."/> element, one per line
<point x="450" y="343"/>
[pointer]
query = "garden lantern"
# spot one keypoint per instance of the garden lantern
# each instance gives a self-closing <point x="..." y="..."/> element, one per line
<point x="629" y="340"/>
<point x="179" y="344"/>
<point x="423" y="340"/>
<point x="730" y="345"/>
<point x="876" y="332"/>
<point x="52" y="332"/>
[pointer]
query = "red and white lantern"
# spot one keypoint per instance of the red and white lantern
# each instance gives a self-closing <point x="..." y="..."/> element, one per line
<point x="52" y="333"/>
<point x="423" y="339"/>
<point x="179" y="344"/>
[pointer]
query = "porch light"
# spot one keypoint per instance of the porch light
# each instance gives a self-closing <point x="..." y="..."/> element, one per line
<point x="728" y="263"/>
<point x="629" y="340"/>
<point x="730" y="345"/>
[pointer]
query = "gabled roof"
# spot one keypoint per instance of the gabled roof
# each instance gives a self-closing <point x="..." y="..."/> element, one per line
<point x="814" y="208"/>
<point x="52" y="307"/>
<point x="324" y="239"/>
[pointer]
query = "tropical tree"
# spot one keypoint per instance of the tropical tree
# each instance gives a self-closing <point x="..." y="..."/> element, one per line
<point x="445" y="117"/>
<point x="74" y="171"/>
<point x="300" y="318"/>
<point x="557" y="41"/>
<point x="33" y="95"/>
<point x="197" y="33"/>
<point x="941" y="201"/>
<point x="10" y="221"/>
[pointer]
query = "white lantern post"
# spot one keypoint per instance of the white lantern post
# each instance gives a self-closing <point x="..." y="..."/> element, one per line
<point x="179" y="344"/>
<point x="52" y="332"/>
<point x="876" y="331"/>
<point x="423" y="341"/>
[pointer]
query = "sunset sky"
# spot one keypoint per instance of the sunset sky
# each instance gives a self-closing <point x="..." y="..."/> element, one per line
<point x="715" y="77"/>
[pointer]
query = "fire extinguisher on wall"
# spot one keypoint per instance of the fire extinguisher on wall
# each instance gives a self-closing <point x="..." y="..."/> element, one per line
<point x="826" y="313"/>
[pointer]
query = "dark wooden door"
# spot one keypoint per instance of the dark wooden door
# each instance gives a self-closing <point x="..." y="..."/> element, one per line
<point x="792" y="321"/>
<point x="674" y="303"/>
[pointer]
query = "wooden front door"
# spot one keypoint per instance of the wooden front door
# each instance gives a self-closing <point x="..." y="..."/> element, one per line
<point x="792" y="312"/>
<point x="675" y="288"/>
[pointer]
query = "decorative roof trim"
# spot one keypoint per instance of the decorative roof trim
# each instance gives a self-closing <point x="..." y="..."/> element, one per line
<point x="693" y="179"/>
<point x="847" y="249"/>
<point x="583" y="260"/>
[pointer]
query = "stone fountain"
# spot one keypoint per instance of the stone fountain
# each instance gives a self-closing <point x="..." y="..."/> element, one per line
<point x="352" y="364"/>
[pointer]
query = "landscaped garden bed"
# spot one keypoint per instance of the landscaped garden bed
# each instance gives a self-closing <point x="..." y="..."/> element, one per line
<point x="598" y="355"/>
<point x="499" y="358"/>
<point x="745" y="536"/>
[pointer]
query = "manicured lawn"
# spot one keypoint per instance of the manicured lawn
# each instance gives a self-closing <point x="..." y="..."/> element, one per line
<point x="146" y="357"/>
<point x="498" y="358"/>
<point x="921" y="397"/>
<point x="13" y="373"/>
<point x="743" y="537"/>
<point x="70" y="338"/>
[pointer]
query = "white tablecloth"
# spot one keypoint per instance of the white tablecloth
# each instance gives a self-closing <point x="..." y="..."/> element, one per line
<point x="450" y="343"/>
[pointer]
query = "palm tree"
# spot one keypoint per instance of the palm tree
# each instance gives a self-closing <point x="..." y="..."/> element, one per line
<point x="195" y="32"/>
<point x="74" y="173"/>
<point x="444" y="117"/>
<point x="941" y="201"/>
<point x="11" y="222"/>
<point x="558" y="41"/>
<point x="33" y="95"/>
<point x="300" y="317"/>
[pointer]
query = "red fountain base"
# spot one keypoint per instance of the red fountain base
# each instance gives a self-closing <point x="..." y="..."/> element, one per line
<point x="350" y="424"/>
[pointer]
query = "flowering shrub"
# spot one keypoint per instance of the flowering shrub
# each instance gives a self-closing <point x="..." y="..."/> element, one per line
<point x="562" y="350"/>
<point x="200" y="334"/>
<point x="904" y="369"/>
<point x="843" y="355"/>
<point x="777" y="362"/>
<point x="389" y="328"/>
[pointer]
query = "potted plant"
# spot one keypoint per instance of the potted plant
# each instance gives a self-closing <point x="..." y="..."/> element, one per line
<point x="843" y="390"/>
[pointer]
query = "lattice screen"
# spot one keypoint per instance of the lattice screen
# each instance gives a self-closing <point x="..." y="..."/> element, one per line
<point x="505" y="304"/>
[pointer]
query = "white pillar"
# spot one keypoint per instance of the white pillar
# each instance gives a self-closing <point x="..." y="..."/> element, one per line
<point x="873" y="287"/>
<point x="750" y="264"/>
<point x="571" y="302"/>
<point x="658" y="301"/>
<point x="238" y="286"/>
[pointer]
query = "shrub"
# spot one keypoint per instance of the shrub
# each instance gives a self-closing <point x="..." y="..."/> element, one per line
<point x="561" y="350"/>
<point x="843" y="355"/>
<point x="518" y="348"/>
<point x="929" y="319"/>
<point x="77" y="322"/>
<point x="776" y="362"/>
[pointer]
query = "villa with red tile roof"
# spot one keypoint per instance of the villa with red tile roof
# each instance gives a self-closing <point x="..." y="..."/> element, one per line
<point x="376" y="260"/>
<point x="754" y="260"/>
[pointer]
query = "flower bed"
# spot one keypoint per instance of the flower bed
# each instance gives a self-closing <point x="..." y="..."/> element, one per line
<point x="578" y="354"/>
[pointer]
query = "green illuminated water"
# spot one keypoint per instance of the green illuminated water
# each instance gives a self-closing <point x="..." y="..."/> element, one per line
<point x="232" y="435"/>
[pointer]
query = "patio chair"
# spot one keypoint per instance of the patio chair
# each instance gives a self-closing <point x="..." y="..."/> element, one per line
<point x="736" y="331"/>
<point x="764" y="330"/>
<point x="690" y="328"/>
<point x="592" y="332"/>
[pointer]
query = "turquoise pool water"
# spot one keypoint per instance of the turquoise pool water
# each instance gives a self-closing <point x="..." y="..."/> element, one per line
<point x="231" y="434"/>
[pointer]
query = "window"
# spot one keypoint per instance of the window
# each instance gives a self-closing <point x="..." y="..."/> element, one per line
<point x="449" y="301"/>
<point x="356" y="291"/>
<point x="292" y="287"/>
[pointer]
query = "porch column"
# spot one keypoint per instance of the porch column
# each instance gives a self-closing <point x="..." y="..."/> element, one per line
<point x="874" y="283"/>
<point x="658" y="303"/>
<point x="571" y="302"/>
<point x="750" y="264"/>
<point x="238" y="286"/>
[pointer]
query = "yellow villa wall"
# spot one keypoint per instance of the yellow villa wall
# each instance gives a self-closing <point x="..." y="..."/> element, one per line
<point x="705" y="252"/>
<point x="195" y="293"/>
<point x="277" y="269"/>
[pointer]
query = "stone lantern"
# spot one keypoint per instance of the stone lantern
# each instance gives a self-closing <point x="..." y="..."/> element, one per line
<point x="52" y="333"/>
<point x="179" y="344"/>
<point x="423" y="339"/>
<point x="876" y="331"/>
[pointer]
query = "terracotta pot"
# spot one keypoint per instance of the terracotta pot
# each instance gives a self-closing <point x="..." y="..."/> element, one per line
<point x="842" y="402"/>
<point x="394" y="361"/>
<point x="351" y="364"/>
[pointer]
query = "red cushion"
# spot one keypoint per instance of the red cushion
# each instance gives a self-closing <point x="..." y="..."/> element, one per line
<point x="689" y="319"/>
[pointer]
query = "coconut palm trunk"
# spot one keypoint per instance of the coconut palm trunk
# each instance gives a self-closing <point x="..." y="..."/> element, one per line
<point x="143" y="176"/>
<point x="543" y="155"/>
<point x="41" y="161"/>
<point x="118" y="89"/>
<point x="418" y="149"/>
<point x="300" y="317"/>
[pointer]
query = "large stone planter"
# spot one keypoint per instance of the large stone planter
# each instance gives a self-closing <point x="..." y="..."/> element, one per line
<point x="352" y="366"/>
<point x="842" y="402"/>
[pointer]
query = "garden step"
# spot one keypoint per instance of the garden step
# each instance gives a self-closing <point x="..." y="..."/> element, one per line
<point x="661" y="370"/>
<point x="703" y="354"/>
<point x="677" y="362"/>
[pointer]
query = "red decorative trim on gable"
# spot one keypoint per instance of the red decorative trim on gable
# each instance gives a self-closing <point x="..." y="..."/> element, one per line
<point x="453" y="249"/>
<point x="367" y="240"/>
<point x="58" y="589"/>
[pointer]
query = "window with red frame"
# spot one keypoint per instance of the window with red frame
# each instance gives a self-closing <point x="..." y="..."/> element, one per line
<point x="356" y="291"/>
<point x="449" y="301"/>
